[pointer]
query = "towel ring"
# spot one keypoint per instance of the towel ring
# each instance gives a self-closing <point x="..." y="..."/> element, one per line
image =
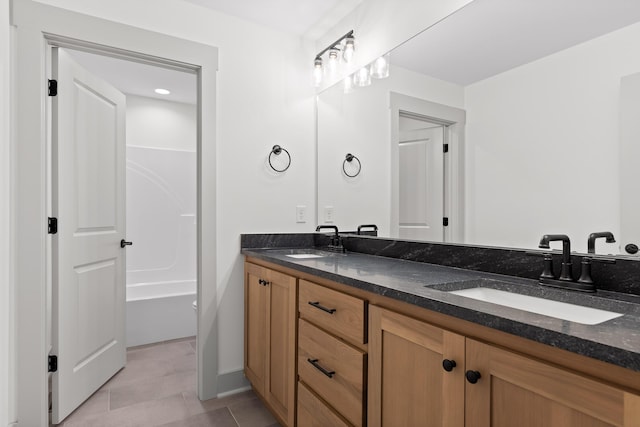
<point x="277" y="150"/>
<point x="349" y="158"/>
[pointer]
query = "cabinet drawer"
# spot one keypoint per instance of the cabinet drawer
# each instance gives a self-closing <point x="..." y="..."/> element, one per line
<point x="332" y="310"/>
<point x="333" y="369"/>
<point x="312" y="412"/>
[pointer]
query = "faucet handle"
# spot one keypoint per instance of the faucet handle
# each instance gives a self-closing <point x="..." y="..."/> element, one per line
<point x="547" y="272"/>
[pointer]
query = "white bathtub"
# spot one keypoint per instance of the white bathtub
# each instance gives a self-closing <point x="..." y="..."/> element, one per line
<point x="161" y="264"/>
<point x="160" y="311"/>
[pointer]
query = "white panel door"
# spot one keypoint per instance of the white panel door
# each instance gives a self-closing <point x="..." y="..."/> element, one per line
<point x="88" y="143"/>
<point x="421" y="180"/>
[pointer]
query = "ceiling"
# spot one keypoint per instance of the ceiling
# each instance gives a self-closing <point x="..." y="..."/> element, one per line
<point x="134" y="78"/>
<point x="311" y="18"/>
<point x="488" y="37"/>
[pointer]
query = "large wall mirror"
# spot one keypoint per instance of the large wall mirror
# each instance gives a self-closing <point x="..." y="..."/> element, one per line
<point x="512" y="119"/>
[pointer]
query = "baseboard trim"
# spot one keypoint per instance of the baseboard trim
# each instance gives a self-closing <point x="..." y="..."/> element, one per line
<point x="232" y="382"/>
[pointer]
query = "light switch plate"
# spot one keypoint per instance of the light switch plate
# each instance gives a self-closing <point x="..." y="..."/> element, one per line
<point x="301" y="214"/>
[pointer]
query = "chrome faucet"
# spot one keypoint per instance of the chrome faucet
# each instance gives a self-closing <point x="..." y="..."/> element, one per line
<point x="565" y="271"/>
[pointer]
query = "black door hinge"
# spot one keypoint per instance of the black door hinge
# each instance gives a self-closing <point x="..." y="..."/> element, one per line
<point x="53" y="87"/>
<point x="53" y="363"/>
<point x="445" y="221"/>
<point x="53" y="225"/>
<point x="445" y="148"/>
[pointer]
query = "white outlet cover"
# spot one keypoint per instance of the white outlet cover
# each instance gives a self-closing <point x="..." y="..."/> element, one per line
<point x="328" y="214"/>
<point x="301" y="214"/>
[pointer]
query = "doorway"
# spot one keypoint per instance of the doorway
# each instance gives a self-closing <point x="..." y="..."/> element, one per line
<point x="38" y="25"/>
<point x="427" y="170"/>
<point x="161" y="155"/>
<point x="88" y="186"/>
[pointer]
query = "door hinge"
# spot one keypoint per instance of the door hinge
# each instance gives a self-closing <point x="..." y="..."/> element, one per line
<point x="445" y="148"/>
<point x="53" y="363"/>
<point x="445" y="221"/>
<point x="53" y="225"/>
<point x="53" y="87"/>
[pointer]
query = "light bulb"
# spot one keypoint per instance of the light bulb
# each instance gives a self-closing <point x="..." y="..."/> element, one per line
<point x="362" y="77"/>
<point x="334" y="59"/>
<point x="380" y="67"/>
<point x="317" y="71"/>
<point x="348" y="84"/>
<point x="349" y="48"/>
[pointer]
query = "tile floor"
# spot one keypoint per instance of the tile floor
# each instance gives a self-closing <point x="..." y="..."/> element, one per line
<point x="158" y="388"/>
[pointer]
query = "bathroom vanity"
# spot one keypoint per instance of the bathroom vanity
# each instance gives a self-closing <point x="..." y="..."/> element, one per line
<point x="361" y="340"/>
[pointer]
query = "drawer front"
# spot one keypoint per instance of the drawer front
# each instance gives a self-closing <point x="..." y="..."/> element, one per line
<point x="334" y="311"/>
<point x="333" y="369"/>
<point x="312" y="412"/>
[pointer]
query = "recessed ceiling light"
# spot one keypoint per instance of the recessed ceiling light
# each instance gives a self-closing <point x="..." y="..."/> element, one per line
<point x="162" y="91"/>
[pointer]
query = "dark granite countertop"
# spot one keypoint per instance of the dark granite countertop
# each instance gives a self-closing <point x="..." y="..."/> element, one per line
<point x="615" y="341"/>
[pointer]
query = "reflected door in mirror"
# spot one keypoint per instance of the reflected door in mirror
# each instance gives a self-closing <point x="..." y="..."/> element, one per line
<point x="421" y="180"/>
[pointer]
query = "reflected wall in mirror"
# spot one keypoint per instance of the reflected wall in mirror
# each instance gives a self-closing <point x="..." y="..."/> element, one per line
<point x="544" y="96"/>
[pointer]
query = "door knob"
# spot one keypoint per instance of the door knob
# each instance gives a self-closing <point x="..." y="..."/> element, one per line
<point x="124" y="243"/>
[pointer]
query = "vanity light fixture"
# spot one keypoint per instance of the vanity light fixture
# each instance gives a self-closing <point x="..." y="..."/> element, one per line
<point x="348" y="84"/>
<point x="334" y="59"/>
<point x="345" y="44"/>
<point x="349" y="47"/>
<point x="317" y="71"/>
<point x="161" y="91"/>
<point x="362" y="77"/>
<point x="380" y="67"/>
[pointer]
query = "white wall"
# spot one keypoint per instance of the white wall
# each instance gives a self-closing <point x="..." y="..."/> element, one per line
<point x="548" y="129"/>
<point x="156" y="123"/>
<point x="255" y="111"/>
<point x="359" y="123"/>
<point x="7" y="346"/>
<point x="381" y="25"/>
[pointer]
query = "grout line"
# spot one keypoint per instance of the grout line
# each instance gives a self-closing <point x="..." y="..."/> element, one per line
<point x="233" y="416"/>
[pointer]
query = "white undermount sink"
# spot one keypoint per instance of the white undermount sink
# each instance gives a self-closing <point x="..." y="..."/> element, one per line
<point x="304" y="256"/>
<point x="560" y="310"/>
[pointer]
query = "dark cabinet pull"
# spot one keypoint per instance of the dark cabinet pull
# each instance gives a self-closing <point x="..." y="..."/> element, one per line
<point x="314" y="362"/>
<point x="473" y="376"/>
<point x="124" y="243"/>
<point x="317" y="305"/>
<point x="263" y="282"/>
<point x="448" y="365"/>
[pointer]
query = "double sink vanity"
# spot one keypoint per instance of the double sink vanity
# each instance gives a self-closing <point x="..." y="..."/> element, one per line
<point x="358" y="339"/>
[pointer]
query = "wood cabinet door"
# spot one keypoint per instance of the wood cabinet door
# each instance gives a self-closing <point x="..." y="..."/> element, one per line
<point x="281" y="345"/>
<point x="514" y="390"/>
<point x="408" y="385"/>
<point x="256" y="326"/>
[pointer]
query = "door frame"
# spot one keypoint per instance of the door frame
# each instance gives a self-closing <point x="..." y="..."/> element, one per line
<point x="454" y="120"/>
<point x="35" y="27"/>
